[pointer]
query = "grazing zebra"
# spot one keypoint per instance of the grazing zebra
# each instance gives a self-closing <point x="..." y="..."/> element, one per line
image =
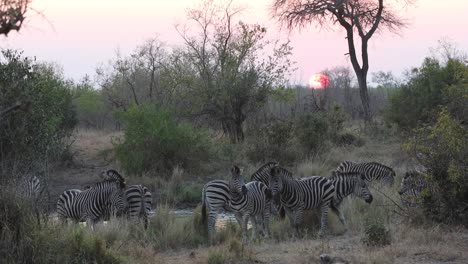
<point x="299" y="195"/>
<point x="95" y="203"/>
<point x="249" y="201"/>
<point x="139" y="202"/>
<point x="345" y="184"/>
<point x="412" y="184"/>
<point x="371" y="170"/>
<point x="215" y="196"/>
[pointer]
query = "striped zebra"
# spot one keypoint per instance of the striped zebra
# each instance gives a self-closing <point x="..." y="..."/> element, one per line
<point x="139" y="202"/>
<point x="299" y="195"/>
<point x="263" y="175"/>
<point x="249" y="201"/>
<point x="412" y="184"/>
<point x="65" y="199"/>
<point x="215" y="196"/>
<point x="95" y="203"/>
<point x="372" y="171"/>
<point x="31" y="187"/>
<point x="345" y="184"/>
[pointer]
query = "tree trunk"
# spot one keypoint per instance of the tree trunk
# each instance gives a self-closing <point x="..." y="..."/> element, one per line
<point x="362" y="81"/>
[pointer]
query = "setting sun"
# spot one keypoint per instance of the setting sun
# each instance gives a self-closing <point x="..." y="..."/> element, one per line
<point x="319" y="81"/>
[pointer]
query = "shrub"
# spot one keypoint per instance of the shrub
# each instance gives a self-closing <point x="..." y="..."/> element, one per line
<point x="443" y="149"/>
<point x="417" y="103"/>
<point x="273" y="141"/>
<point x="312" y="132"/>
<point x="217" y="256"/>
<point x="44" y="120"/>
<point x="155" y="142"/>
<point x="375" y="233"/>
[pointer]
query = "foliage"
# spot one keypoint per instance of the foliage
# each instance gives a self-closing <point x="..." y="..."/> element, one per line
<point x="222" y="65"/>
<point x="272" y="141"/>
<point x="443" y="150"/>
<point x="432" y="85"/>
<point x="314" y="131"/>
<point x="45" y="118"/>
<point x="12" y="15"/>
<point x="375" y="233"/>
<point x="155" y="142"/>
<point x="91" y="109"/>
<point x="24" y="241"/>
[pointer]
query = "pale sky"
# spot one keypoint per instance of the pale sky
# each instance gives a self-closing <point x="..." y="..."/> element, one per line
<point x="81" y="34"/>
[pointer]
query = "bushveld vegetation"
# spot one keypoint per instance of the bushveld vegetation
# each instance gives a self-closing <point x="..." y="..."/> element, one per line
<point x="182" y="116"/>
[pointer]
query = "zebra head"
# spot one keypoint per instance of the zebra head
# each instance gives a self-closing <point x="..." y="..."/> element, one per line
<point x="113" y="175"/>
<point x="275" y="182"/>
<point x="361" y="188"/>
<point x="407" y="183"/>
<point x="236" y="184"/>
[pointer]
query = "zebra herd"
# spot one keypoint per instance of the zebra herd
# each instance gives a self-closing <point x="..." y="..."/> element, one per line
<point x="273" y="187"/>
<point x="109" y="197"/>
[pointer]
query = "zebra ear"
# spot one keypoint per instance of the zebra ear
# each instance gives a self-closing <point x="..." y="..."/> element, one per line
<point x="235" y="170"/>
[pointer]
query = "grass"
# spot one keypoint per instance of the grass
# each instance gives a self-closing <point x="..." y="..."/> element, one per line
<point x="173" y="239"/>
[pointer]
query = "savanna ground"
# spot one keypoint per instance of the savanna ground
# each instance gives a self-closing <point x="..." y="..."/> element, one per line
<point x="412" y="240"/>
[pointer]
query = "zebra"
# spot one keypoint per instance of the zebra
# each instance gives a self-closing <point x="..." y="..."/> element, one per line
<point x="299" y="195"/>
<point x="65" y="199"/>
<point x="412" y="184"/>
<point x="263" y="175"/>
<point x="248" y="201"/>
<point x="31" y="187"/>
<point x="139" y="202"/>
<point x="215" y="196"/>
<point x="371" y="170"/>
<point x="345" y="184"/>
<point x="95" y="203"/>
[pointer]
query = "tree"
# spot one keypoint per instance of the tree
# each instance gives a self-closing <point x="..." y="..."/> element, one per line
<point x="12" y="15"/>
<point x="363" y="17"/>
<point x="230" y="77"/>
<point x="137" y="78"/>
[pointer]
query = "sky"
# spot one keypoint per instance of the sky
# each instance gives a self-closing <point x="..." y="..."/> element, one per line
<point x="79" y="35"/>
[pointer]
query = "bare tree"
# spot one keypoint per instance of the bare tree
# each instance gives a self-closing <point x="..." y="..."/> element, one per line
<point x="231" y="72"/>
<point x="361" y="17"/>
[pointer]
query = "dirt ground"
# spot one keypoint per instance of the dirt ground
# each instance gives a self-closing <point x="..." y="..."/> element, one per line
<point x="409" y="246"/>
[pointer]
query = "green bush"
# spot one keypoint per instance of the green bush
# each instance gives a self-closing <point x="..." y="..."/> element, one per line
<point x="443" y="149"/>
<point x="45" y="118"/>
<point x="22" y="240"/>
<point x="375" y="233"/>
<point x="155" y="142"/>
<point x="312" y="132"/>
<point x="273" y="141"/>
<point x="432" y="85"/>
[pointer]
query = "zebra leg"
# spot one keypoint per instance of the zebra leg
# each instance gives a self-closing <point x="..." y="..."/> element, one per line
<point x="245" y="220"/>
<point x="255" y="228"/>
<point x="211" y="222"/>
<point x="266" y="220"/>
<point x="324" y="220"/>
<point x="336" y="210"/>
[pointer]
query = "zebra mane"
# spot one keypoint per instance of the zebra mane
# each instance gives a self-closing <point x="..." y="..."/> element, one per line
<point x="264" y="168"/>
<point x="282" y="171"/>
<point x="380" y="164"/>
<point x="336" y="174"/>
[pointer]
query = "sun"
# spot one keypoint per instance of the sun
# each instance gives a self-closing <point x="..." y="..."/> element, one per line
<point x="319" y="81"/>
